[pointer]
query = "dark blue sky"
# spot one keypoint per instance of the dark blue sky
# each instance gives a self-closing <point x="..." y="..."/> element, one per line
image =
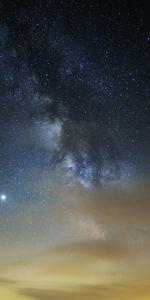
<point x="74" y="90"/>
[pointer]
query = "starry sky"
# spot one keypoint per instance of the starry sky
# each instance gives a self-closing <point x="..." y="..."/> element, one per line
<point x="74" y="149"/>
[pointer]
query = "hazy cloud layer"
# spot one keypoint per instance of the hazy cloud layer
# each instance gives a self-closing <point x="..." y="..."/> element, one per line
<point x="105" y="252"/>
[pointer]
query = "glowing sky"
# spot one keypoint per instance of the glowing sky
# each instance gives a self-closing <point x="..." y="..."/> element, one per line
<point x="104" y="250"/>
<point x="74" y="150"/>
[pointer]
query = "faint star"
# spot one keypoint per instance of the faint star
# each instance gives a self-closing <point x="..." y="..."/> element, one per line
<point x="148" y="38"/>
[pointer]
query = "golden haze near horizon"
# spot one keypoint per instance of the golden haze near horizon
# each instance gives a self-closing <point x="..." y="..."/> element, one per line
<point x="99" y="247"/>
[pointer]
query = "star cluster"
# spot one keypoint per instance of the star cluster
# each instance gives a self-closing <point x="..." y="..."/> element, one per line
<point x="74" y="150"/>
<point x="74" y="93"/>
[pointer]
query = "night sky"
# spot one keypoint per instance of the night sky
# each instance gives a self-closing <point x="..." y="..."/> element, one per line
<point x="74" y="149"/>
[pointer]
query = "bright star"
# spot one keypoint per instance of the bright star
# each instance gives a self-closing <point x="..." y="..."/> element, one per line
<point x="3" y="198"/>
